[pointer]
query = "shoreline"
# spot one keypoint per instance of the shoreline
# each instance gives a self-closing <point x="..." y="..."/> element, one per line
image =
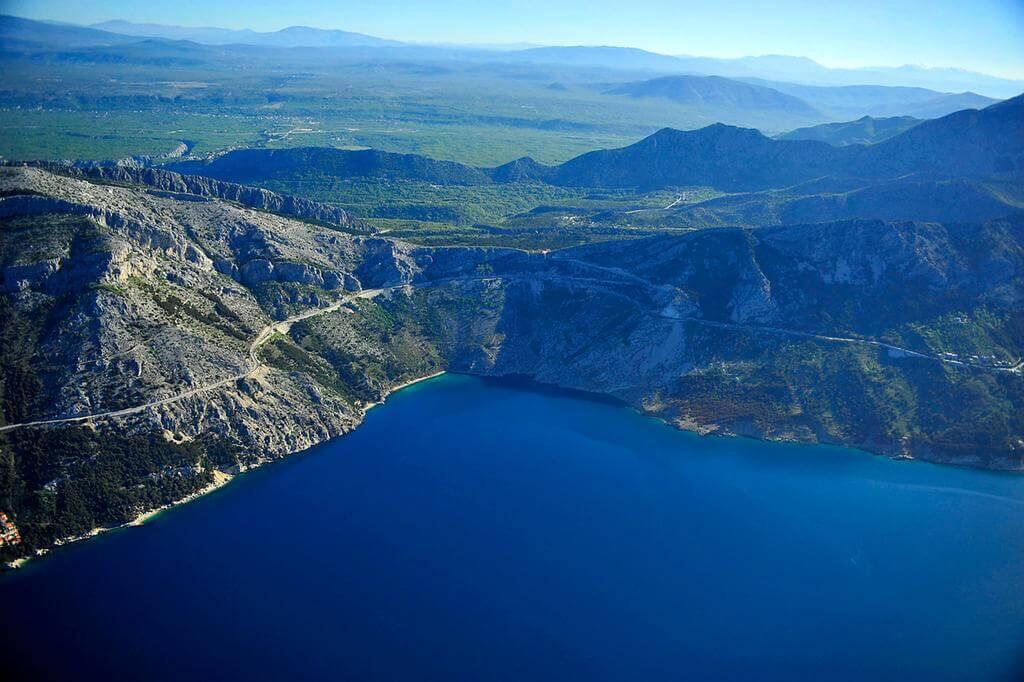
<point x="220" y="479"/>
<point x="395" y="389"/>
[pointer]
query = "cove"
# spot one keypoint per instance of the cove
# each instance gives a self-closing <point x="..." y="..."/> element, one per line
<point x="482" y="530"/>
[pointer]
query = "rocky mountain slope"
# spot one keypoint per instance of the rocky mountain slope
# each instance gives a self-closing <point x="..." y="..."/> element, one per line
<point x="175" y="183"/>
<point x="151" y="341"/>
<point x="913" y="197"/>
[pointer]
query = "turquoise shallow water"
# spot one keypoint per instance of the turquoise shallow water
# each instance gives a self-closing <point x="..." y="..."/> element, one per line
<point x="475" y="530"/>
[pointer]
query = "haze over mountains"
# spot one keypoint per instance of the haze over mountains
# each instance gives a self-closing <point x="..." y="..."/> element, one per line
<point x="293" y="36"/>
<point x="715" y="91"/>
<point x="771" y="67"/>
<point x="807" y="71"/>
<point x="580" y="98"/>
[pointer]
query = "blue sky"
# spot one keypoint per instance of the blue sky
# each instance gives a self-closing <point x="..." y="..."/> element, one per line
<point x="983" y="35"/>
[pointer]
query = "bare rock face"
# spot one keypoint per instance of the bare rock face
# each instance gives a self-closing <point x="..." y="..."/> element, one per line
<point x="155" y="302"/>
<point x="751" y="301"/>
<point x="29" y="276"/>
<point x="241" y="330"/>
<point x="169" y="295"/>
<point x="387" y="263"/>
<point x="302" y="273"/>
<point x="256" y="271"/>
<point x="197" y="186"/>
<point x="270" y="414"/>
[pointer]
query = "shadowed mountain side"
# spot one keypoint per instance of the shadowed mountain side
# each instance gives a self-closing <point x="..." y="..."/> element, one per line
<point x="257" y="165"/>
<point x="969" y="144"/>
<point x="715" y="91"/>
<point x="911" y="198"/>
<point x="865" y="130"/>
<point x="719" y="156"/>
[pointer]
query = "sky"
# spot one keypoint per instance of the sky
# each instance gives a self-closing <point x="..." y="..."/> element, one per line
<point x="980" y="35"/>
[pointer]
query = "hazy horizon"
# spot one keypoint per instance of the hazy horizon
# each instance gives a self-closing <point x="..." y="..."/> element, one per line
<point x="987" y="37"/>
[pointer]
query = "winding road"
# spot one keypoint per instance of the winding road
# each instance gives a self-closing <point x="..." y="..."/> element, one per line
<point x="1016" y="368"/>
<point x="265" y="334"/>
<point x="283" y="326"/>
<point x="675" y="203"/>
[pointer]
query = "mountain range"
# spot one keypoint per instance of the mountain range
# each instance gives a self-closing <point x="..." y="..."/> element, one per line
<point x="854" y="101"/>
<point x="608" y="93"/>
<point x="770" y="67"/>
<point x="293" y="36"/>
<point x="971" y="144"/>
<point x="966" y="166"/>
<point x="715" y="91"/>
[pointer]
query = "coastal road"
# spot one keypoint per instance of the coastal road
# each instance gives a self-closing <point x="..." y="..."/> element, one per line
<point x="261" y="338"/>
<point x="1016" y="368"/>
<point x="283" y="326"/>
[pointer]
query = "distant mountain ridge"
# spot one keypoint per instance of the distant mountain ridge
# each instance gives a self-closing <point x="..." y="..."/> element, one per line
<point x="794" y="100"/>
<point x="293" y="36"/>
<point x="626" y="58"/>
<point x="716" y="91"/>
<point x="809" y="72"/>
<point x="865" y="130"/>
<point x="770" y="105"/>
<point x="966" y="144"/>
<point x="964" y="167"/>
<point x="970" y="143"/>
<point x="16" y="30"/>
<point x="855" y="101"/>
<point x="792" y="69"/>
<point x="774" y="67"/>
<point x="720" y="156"/>
<point x="260" y="165"/>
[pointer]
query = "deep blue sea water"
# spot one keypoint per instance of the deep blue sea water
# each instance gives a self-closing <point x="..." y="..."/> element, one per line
<point x="474" y="530"/>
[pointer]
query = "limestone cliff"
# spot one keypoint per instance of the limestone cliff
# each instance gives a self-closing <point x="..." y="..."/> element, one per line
<point x="203" y="335"/>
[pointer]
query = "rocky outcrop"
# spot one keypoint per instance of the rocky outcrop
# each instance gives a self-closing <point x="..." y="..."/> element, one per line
<point x="252" y="197"/>
<point x="172" y="320"/>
